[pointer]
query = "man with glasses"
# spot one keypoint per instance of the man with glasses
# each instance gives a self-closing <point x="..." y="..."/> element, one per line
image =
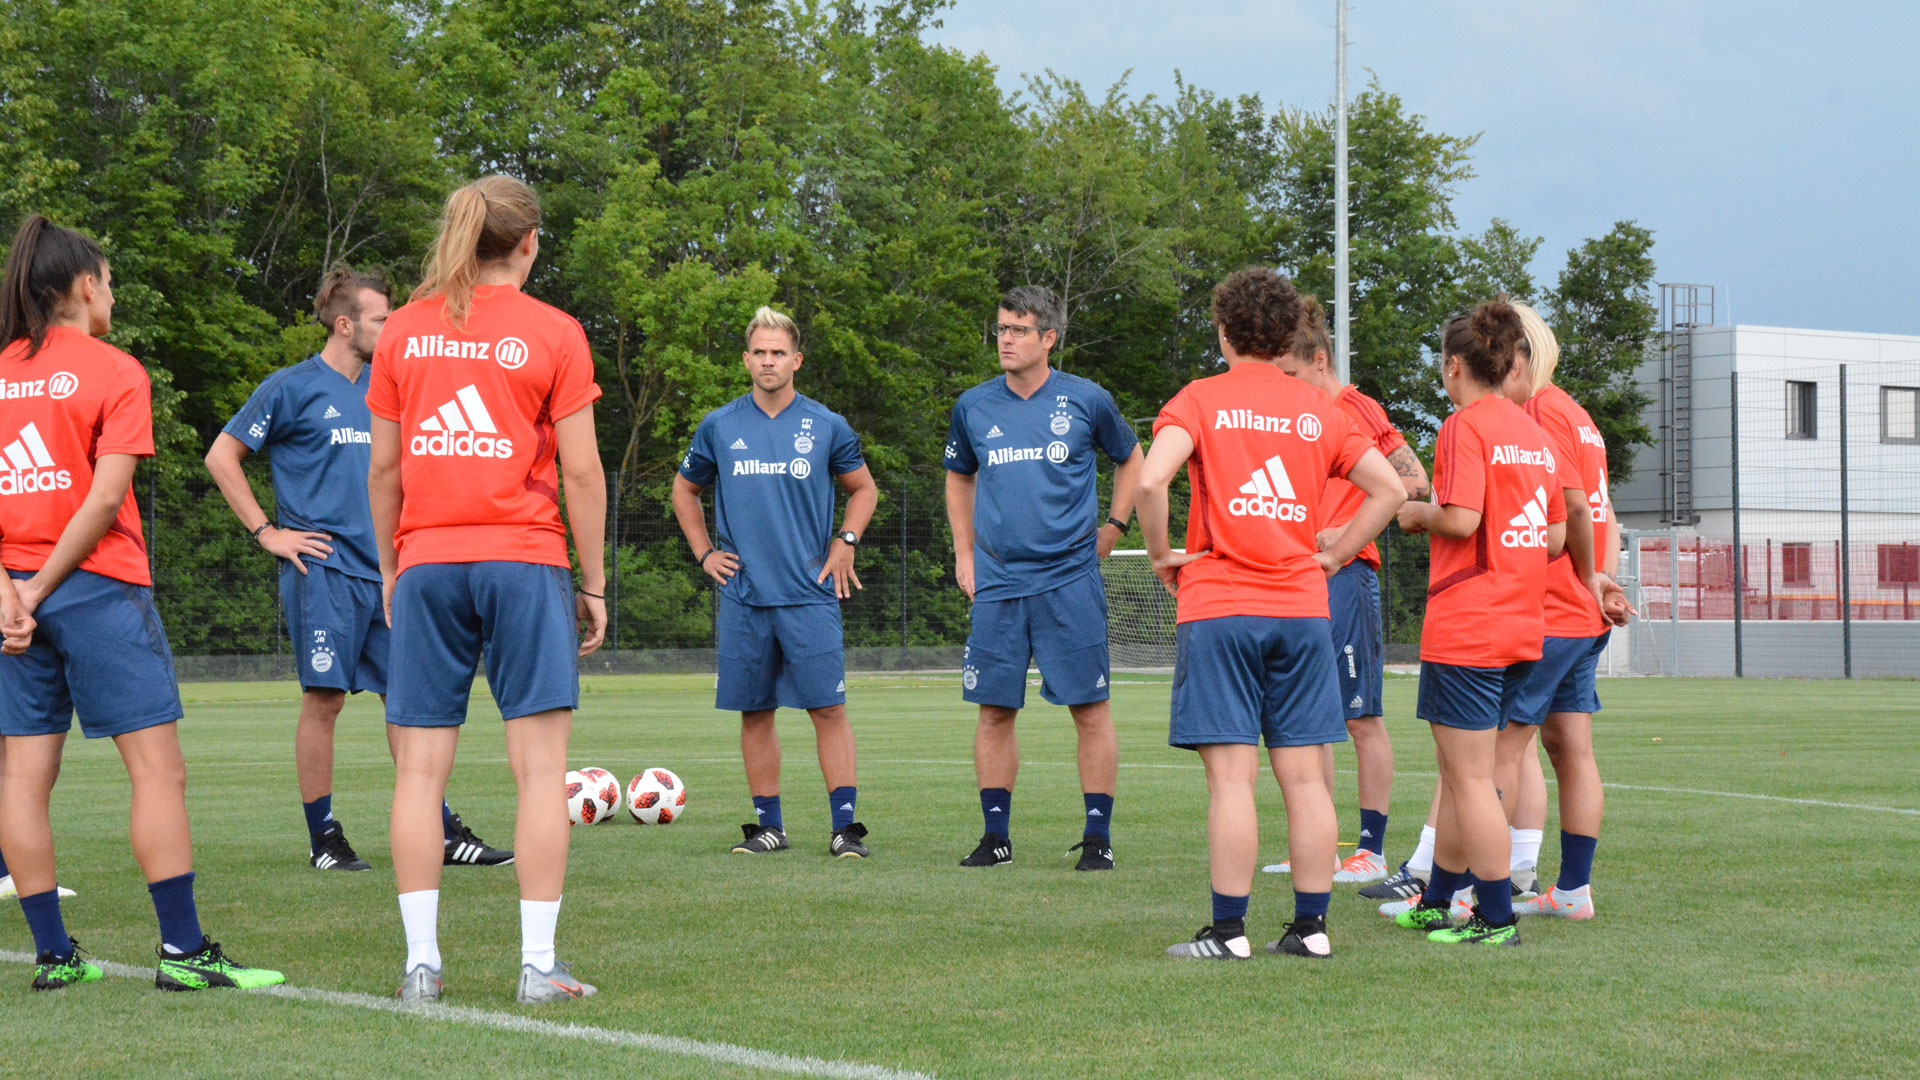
<point x="1028" y="535"/>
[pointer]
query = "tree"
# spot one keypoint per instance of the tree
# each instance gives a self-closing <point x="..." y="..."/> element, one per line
<point x="1603" y="315"/>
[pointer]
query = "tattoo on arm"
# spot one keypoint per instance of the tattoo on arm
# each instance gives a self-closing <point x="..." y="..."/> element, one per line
<point x="1406" y="464"/>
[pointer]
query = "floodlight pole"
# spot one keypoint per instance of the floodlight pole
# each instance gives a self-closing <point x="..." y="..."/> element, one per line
<point x="1342" y="318"/>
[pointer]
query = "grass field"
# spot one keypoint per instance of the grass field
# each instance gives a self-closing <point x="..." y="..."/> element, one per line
<point x="1751" y="937"/>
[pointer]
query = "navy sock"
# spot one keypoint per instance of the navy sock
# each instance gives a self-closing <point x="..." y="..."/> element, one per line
<point x="1099" y="814"/>
<point x="996" y="805"/>
<point x="1310" y="905"/>
<point x="1496" y="900"/>
<point x="1373" y="830"/>
<point x="1576" y="860"/>
<point x="43" y="918"/>
<point x="767" y="809"/>
<point x="1228" y="909"/>
<point x="841" y="801"/>
<point x="179" y="920"/>
<point x="3" y="866"/>
<point x="319" y="814"/>
<point x="1442" y="885"/>
<point x="446" y="820"/>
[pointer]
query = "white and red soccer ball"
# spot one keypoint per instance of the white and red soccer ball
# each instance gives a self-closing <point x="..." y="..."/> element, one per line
<point x="592" y="796"/>
<point x="656" y="797"/>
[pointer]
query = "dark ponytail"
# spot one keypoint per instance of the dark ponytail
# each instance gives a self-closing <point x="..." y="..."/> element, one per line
<point x="1485" y="340"/>
<point x="42" y="265"/>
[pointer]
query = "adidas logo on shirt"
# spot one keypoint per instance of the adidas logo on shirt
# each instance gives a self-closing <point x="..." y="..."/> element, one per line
<point x="1528" y="528"/>
<point x="463" y="428"/>
<point x="738" y="444"/>
<point x="1271" y="495"/>
<point x="995" y="432"/>
<point x="26" y="468"/>
<point x="332" y="414"/>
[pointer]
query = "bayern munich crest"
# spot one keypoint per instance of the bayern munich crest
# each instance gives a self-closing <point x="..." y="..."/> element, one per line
<point x="1061" y="423"/>
<point x="803" y="444"/>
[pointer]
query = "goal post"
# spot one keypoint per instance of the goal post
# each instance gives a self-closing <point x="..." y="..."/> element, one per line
<point x="1140" y="614"/>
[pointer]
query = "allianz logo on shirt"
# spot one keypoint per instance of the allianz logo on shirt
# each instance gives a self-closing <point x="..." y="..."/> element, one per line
<point x="1509" y="454"/>
<point x="463" y="428"/>
<point x="798" y="468"/>
<point x="1269" y="494"/>
<point x="1307" y="426"/>
<point x="343" y="436"/>
<point x="1055" y="452"/>
<point x="1592" y="437"/>
<point x="26" y="468"/>
<point x="1528" y="528"/>
<point x="508" y="352"/>
<point x="58" y="386"/>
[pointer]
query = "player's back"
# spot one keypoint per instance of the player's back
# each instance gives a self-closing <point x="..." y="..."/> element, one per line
<point x="1581" y="453"/>
<point x="75" y="400"/>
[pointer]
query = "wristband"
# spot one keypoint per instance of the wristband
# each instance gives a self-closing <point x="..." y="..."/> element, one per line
<point x="702" y="560"/>
<point x="263" y="528"/>
<point x="1117" y="523"/>
<point x="591" y="596"/>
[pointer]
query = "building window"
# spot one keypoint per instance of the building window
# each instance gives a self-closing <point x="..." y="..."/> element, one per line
<point x="1803" y="399"/>
<point x="1899" y="564"/>
<point x="1900" y="414"/>
<point x="1796" y="564"/>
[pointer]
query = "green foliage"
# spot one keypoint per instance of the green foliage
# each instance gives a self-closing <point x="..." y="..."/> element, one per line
<point x="1604" y="317"/>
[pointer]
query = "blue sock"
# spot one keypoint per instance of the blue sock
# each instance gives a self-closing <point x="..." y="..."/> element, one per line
<point x="3" y="866"/>
<point x="841" y="801"/>
<point x="1496" y="900"/>
<point x="446" y="820"/>
<point x="996" y="805"/>
<point x="767" y="809"/>
<point x="1310" y="905"/>
<point x="1373" y="831"/>
<point x="179" y="921"/>
<point x="1099" y="814"/>
<point x="1576" y="860"/>
<point x="43" y="918"/>
<point x="319" y="814"/>
<point x="1229" y="909"/>
<point x="1442" y="885"/>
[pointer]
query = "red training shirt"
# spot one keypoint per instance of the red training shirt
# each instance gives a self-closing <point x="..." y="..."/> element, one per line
<point x="1572" y="611"/>
<point x="1264" y="444"/>
<point x="77" y="399"/>
<point x="1342" y="499"/>
<point x="476" y="408"/>
<point x="1485" y="591"/>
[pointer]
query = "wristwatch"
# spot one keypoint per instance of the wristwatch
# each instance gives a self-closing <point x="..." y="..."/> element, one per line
<point x="852" y="538"/>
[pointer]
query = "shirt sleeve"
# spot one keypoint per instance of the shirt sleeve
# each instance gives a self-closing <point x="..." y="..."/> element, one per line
<point x="1111" y="430"/>
<point x="1460" y="463"/>
<point x="1180" y="413"/>
<point x="383" y="388"/>
<point x="126" y="418"/>
<point x="700" y="466"/>
<point x="845" y="456"/>
<point x="1350" y="446"/>
<point x="960" y="457"/>
<point x="573" y="385"/>
<point x="1373" y="420"/>
<point x="253" y="424"/>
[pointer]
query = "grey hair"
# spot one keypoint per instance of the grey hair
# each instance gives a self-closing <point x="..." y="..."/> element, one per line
<point x="1041" y="303"/>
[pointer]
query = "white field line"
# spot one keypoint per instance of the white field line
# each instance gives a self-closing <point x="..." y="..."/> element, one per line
<point x="724" y="1053"/>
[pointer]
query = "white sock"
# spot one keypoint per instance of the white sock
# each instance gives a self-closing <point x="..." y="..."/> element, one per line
<point x="1421" y="863"/>
<point x="420" y="914"/>
<point x="1526" y="847"/>
<point x="537" y="921"/>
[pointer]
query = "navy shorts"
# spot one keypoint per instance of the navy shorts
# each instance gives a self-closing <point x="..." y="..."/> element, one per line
<point x="1064" y="630"/>
<point x="1353" y="597"/>
<point x="1561" y="680"/>
<point x="1474" y="698"/>
<point x="1244" y="678"/>
<point x="780" y="656"/>
<point x="337" y="627"/>
<point x="446" y="614"/>
<point x="98" y="650"/>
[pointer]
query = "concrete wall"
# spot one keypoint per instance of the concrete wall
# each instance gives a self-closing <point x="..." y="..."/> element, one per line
<point x="1797" y="650"/>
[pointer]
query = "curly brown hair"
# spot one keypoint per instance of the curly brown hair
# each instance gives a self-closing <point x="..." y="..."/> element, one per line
<point x="1258" y="311"/>
<point x="1485" y="340"/>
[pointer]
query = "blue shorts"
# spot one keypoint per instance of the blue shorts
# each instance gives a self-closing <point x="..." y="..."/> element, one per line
<point x="1473" y="698"/>
<point x="1242" y="678"/>
<point x="337" y="627"/>
<point x="780" y="656"/>
<point x="98" y="650"/>
<point x="1353" y="597"/>
<point x="1561" y="680"/>
<point x="446" y="614"/>
<point x="1064" y="630"/>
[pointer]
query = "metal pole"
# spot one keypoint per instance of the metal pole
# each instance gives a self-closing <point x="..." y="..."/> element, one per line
<point x="1846" y="548"/>
<point x="1739" y="553"/>
<point x="1342" y="315"/>
<point x="902" y="511"/>
<point x="613" y="558"/>
<point x="1673" y="601"/>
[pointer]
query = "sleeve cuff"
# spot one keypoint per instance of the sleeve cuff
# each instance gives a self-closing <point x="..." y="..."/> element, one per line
<point x="573" y="403"/>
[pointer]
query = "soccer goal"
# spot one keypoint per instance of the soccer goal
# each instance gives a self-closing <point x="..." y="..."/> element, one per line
<point x="1139" y="614"/>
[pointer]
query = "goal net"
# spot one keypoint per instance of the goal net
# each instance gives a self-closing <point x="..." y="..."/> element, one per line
<point x="1139" y="614"/>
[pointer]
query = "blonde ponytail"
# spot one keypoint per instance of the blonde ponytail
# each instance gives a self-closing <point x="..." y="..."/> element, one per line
<point x="1543" y="349"/>
<point x="483" y="222"/>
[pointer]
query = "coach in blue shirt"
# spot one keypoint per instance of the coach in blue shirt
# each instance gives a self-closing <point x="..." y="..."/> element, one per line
<point x="1028" y="536"/>
<point x="312" y="419"/>
<point x="773" y="458"/>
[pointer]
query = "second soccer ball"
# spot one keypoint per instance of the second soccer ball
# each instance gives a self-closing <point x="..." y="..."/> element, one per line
<point x="656" y="797"/>
<point x="592" y="795"/>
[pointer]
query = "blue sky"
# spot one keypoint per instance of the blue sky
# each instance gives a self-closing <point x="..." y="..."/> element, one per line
<point x="1773" y="148"/>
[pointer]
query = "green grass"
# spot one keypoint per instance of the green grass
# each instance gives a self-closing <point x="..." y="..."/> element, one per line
<point x="1736" y="936"/>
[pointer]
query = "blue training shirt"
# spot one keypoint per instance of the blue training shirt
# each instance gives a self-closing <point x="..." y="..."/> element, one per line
<point x="773" y="494"/>
<point x="316" y="429"/>
<point x="1036" y="509"/>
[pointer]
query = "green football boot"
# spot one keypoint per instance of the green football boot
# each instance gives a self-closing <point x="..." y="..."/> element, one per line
<point x="210" y="969"/>
<point x="1478" y="931"/>
<point x="56" y="974"/>
<point x="1424" y="918"/>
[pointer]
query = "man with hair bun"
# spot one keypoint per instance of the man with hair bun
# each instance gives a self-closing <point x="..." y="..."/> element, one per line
<point x="773" y="457"/>
<point x="312" y="419"/>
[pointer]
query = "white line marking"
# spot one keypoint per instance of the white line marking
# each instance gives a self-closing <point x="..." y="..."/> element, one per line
<point x="725" y="1053"/>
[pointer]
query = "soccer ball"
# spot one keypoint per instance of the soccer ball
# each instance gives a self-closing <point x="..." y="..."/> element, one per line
<point x="592" y="795"/>
<point x="656" y="797"/>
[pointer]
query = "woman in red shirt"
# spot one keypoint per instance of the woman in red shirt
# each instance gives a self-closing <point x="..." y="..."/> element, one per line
<point x="1493" y="527"/>
<point x="482" y="399"/>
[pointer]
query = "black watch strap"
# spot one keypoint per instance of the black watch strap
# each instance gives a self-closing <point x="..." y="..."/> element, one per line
<point x="849" y="537"/>
<point x="1117" y="523"/>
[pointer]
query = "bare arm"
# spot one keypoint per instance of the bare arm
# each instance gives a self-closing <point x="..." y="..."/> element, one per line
<point x="960" y="491"/>
<point x="1452" y="522"/>
<point x="223" y="462"/>
<point x="1171" y="449"/>
<point x="112" y="478"/>
<point x="1556" y="539"/>
<point x="1126" y="485"/>
<point x="586" y="486"/>
<point x="862" y="496"/>
<point x="1580" y="533"/>
<point x="383" y="497"/>
<point x="1412" y="474"/>
<point x="1385" y="493"/>
<point x="719" y="565"/>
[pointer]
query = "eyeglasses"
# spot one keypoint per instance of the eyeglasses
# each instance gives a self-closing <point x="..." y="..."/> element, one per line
<point x="1012" y="330"/>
